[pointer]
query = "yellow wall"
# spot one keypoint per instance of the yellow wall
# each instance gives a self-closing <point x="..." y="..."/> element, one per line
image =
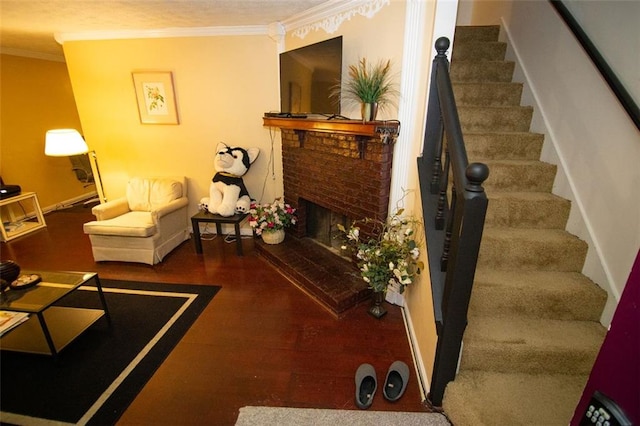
<point x="36" y="96"/>
<point x="490" y="12"/>
<point x="419" y="305"/>
<point x="223" y="85"/>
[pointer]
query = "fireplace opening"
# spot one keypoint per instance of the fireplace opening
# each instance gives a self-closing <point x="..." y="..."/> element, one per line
<point x="322" y="226"/>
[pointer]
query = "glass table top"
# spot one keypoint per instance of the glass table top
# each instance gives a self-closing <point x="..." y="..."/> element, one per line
<point x="53" y="287"/>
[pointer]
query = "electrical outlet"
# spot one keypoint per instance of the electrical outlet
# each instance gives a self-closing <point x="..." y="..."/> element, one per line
<point x="602" y="411"/>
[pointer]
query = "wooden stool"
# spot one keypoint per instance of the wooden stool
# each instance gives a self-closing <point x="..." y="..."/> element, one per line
<point x="207" y="217"/>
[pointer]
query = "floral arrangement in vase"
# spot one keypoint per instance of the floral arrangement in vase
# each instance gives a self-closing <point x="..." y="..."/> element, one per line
<point x="264" y="218"/>
<point x="389" y="259"/>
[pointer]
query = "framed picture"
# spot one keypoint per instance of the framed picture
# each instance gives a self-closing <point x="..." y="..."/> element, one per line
<point x="156" y="98"/>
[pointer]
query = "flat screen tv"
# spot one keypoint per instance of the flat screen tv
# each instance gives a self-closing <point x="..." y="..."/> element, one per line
<point x="307" y="75"/>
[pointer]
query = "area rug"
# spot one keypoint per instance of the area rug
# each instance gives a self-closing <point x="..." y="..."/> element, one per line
<point x="96" y="377"/>
<point x="284" y="416"/>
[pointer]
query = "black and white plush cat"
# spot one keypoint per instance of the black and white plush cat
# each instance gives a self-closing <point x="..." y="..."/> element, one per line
<point x="227" y="192"/>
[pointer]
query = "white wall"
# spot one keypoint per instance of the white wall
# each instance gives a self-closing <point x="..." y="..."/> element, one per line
<point x="622" y="54"/>
<point x="588" y="134"/>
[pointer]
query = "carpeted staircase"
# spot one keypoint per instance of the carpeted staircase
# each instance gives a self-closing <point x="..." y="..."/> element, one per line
<point x="534" y="330"/>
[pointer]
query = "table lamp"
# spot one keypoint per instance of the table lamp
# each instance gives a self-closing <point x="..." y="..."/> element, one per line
<point x="68" y="142"/>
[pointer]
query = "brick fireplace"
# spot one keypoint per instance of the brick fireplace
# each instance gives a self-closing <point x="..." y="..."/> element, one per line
<point x="344" y="169"/>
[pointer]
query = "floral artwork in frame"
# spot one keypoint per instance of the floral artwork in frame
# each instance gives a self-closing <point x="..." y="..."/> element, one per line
<point x="156" y="98"/>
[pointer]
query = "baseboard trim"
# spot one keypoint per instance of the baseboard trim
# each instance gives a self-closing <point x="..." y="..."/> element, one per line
<point x="71" y="201"/>
<point x="421" y="372"/>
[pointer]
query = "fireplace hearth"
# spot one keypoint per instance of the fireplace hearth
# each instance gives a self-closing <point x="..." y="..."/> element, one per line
<point x="335" y="174"/>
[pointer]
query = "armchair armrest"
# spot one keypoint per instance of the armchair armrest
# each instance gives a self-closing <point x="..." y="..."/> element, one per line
<point x="169" y="207"/>
<point x="111" y="209"/>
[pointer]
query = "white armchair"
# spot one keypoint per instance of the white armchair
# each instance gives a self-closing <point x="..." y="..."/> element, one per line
<point x="145" y="225"/>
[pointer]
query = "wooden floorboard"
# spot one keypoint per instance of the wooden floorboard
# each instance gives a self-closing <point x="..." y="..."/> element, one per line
<point x="261" y="341"/>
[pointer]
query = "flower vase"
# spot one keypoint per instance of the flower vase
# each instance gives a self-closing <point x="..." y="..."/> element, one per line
<point x="273" y="237"/>
<point x="369" y="111"/>
<point x="377" y="308"/>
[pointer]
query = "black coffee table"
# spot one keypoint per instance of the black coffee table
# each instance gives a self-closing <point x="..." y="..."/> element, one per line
<point x="50" y="328"/>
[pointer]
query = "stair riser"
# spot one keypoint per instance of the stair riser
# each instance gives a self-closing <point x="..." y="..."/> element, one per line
<point x="503" y="146"/>
<point x="519" y="213"/>
<point x="533" y="303"/>
<point x="510" y="358"/>
<point x="477" y="33"/>
<point x="479" y="51"/>
<point x="508" y="399"/>
<point x="534" y="177"/>
<point x="475" y="71"/>
<point x="479" y="94"/>
<point x="478" y="119"/>
<point x="501" y="252"/>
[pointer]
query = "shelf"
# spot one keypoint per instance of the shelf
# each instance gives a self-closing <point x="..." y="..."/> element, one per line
<point x="349" y="127"/>
<point x="18" y="222"/>
<point x="65" y="324"/>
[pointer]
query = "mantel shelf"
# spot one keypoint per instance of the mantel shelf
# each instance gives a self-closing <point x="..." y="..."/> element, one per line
<point x="350" y="127"/>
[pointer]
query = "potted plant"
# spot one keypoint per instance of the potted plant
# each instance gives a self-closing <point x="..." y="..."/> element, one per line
<point x="270" y="220"/>
<point x="390" y="258"/>
<point x="369" y="85"/>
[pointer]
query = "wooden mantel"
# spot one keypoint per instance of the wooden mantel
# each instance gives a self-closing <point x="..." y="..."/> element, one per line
<point x="350" y="127"/>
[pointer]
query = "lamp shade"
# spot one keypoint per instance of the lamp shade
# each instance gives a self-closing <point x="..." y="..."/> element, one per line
<point x="64" y="143"/>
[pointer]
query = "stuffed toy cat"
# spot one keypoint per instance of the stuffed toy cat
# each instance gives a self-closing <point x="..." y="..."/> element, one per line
<point x="227" y="193"/>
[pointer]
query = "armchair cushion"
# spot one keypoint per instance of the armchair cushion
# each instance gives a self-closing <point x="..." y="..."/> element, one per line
<point x="148" y="194"/>
<point x="132" y="224"/>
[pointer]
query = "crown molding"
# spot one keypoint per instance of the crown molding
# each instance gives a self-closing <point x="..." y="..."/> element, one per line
<point x="33" y="55"/>
<point x="163" y="33"/>
<point x="330" y="15"/>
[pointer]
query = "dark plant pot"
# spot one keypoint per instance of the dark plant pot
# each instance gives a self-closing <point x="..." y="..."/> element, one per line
<point x="377" y="307"/>
<point x="9" y="270"/>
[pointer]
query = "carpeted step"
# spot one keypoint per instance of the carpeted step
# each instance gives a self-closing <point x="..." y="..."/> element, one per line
<point x="527" y="210"/>
<point x="482" y="71"/>
<point x="537" y="294"/>
<point x="512" y="344"/>
<point x="477" y="33"/>
<point x="519" y="176"/>
<point x="503" y="146"/>
<point x="531" y="249"/>
<point x="479" y="51"/>
<point x="495" y="119"/>
<point x="487" y="94"/>
<point x="486" y="399"/>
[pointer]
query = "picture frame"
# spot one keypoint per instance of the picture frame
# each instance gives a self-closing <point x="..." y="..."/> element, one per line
<point x="156" y="97"/>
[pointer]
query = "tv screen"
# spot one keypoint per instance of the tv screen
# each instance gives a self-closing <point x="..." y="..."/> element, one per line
<point x="307" y="75"/>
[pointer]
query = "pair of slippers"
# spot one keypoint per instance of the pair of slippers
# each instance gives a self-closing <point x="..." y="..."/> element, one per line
<point x="367" y="383"/>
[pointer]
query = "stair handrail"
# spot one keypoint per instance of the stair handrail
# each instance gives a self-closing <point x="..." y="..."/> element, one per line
<point x="453" y="223"/>
<point x="629" y="105"/>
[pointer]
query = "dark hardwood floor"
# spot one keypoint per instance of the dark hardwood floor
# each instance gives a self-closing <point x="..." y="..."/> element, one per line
<point x="261" y="341"/>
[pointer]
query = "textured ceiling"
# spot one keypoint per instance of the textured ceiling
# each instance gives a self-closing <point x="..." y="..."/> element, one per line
<point x="30" y="25"/>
